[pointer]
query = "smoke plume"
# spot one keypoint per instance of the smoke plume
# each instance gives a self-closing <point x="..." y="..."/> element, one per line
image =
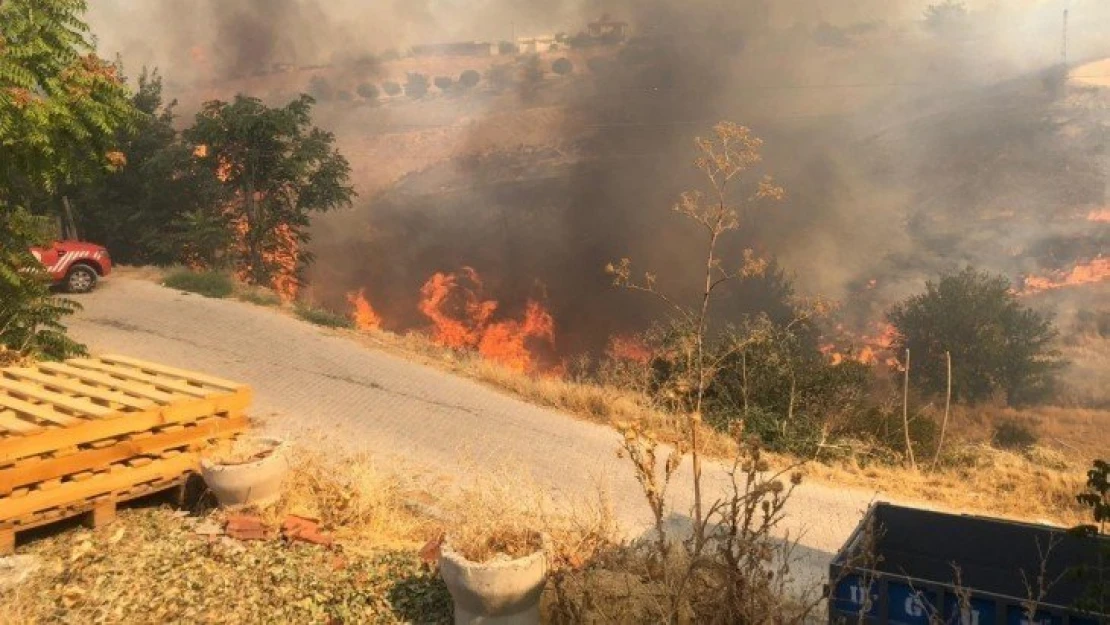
<point x="906" y="146"/>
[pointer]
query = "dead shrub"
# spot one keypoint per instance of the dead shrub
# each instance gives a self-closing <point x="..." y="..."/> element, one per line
<point x="1013" y="434"/>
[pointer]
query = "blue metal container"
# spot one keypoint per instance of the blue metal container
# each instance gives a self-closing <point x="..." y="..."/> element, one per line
<point x="900" y="566"/>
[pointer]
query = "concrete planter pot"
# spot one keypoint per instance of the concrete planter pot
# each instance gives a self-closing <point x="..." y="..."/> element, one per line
<point x="501" y="592"/>
<point x="254" y="483"/>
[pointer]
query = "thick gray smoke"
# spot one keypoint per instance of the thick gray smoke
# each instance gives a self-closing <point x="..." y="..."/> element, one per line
<point x="905" y="148"/>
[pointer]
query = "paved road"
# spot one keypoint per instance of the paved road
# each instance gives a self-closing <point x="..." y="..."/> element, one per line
<point x="322" y="389"/>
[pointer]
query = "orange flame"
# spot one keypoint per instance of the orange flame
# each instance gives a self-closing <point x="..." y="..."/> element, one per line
<point x="461" y="327"/>
<point x="462" y="319"/>
<point x="362" y="312"/>
<point x="284" y="257"/>
<point x="1100" y="215"/>
<point x="629" y="349"/>
<point x="1093" y="272"/>
<point x="877" y="346"/>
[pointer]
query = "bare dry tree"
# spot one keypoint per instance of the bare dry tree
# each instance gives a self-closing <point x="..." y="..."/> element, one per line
<point x="733" y="152"/>
<point x="1037" y="589"/>
<point x="947" y="408"/>
<point x="906" y="412"/>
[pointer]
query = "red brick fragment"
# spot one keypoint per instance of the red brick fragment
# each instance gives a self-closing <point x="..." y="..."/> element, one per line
<point x="294" y="524"/>
<point x="315" y="537"/>
<point x="246" y="527"/>
<point x="429" y="553"/>
<point x="304" y="529"/>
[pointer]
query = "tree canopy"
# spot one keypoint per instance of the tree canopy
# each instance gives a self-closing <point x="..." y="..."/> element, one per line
<point x="60" y="107"/>
<point x="996" y="344"/>
<point x="277" y="169"/>
<point x="140" y="212"/>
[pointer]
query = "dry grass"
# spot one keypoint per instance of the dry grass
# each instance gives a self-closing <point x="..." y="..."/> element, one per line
<point x="1037" y="485"/>
<point x="506" y="514"/>
<point x="151" y="565"/>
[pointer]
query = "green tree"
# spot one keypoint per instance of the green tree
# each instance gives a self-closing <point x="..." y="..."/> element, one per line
<point x="30" y="317"/>
<point x="444" y="83"/>
<point x="469" y="79"/>
<point x="138" y="211"/>
<point x="277" y="169"/>
<point x="416" y="85"/>
<point x="59" y="108"/>
<point x="562" y="66"/>
<point x="997" y="345"/>
<point x="946" y="17"/>
<point x="367" y="91"/>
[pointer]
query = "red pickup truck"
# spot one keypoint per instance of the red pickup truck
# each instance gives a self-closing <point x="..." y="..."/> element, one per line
<point x="74" y="265"/>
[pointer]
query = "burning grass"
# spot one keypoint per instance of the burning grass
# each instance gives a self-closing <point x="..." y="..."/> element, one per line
<point x="1039" y="482"/>
<point x="463" y="319"/>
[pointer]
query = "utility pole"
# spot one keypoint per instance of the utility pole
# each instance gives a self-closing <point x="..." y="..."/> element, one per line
<point x="1065" y="46"/>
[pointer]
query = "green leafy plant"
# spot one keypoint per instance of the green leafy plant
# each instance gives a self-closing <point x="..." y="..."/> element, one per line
<point x="216" y="284"/>
<point x="1096" y="497"/>
<point x="321" y="316"/>
<point x="996" y="344"/>
<point x="276" y="170"/>
<point x="60" y="106"/>
<point x="145" y="211"/>
<point x="30" y="316"/>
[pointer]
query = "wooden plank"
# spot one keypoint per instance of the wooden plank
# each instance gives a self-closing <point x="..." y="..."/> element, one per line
<point x="79" y="388"/>
<point x="150" y="367"/>
<point x="82" y="406"/>
<point x="102" y="484"/>
<point x="139" y="390"/>
<point x="102" y="514"/>
<point x="8" y="530"/>
<point x="16" y="448"/>
<point x="11" y="423"/>
<point x="139" y="376"/>
<point x="97" y="459"/>
<point x="7" y="541"/>
<point x="38" y="411"/>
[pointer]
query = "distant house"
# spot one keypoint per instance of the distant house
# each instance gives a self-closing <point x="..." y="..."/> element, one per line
<point x="608" y="29"/>
<point x="543" y="43"/>
<point x="458" y="48"/>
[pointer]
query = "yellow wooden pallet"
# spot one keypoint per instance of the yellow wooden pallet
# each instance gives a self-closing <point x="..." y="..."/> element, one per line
<point x="52" y="407"/>
<point x="97" y="497"/>
<point x="80" y="436"/>
<point x="98" y="456"/>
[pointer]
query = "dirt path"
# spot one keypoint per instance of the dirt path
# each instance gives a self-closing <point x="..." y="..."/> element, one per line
<point x="323" y="389"/>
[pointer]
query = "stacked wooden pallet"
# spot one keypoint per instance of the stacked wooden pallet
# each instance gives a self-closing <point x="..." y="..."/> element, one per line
<point x="80" y="436"/>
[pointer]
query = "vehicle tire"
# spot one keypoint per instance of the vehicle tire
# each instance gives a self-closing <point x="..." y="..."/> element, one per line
<point x="81" y="279"/>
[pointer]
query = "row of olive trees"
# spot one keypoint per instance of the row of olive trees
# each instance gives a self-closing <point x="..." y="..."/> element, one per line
<point x="417" y="85"/>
